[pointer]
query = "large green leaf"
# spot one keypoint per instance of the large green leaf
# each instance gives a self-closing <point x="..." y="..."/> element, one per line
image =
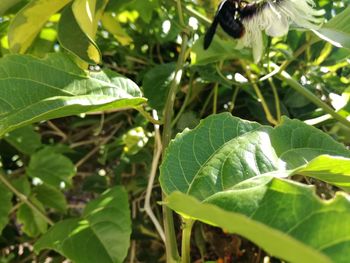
<point x="33" y="90"/>
<point x="29" y="21"/>
<point x="224" y="151"/>
<point x="51" y="167"/>
<point x="5" y="207"/>
<point x="101" y="235"/>
<point x="337" y="30"/>
<point x="225" y="160"/>
<point x="284" y="218"/>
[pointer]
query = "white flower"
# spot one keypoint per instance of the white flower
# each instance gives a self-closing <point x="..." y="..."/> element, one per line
<point x="274" y="17"/>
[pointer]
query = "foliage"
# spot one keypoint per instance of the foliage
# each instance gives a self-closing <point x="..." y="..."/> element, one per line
<point x="98" y="98"/>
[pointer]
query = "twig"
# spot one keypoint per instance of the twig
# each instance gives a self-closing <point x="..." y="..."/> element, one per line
<point x="313" y="98"/>
<point x="148" y="116"/>
<point x="97" y="148"/>
<point x="156" y="156"/>
<point x="24" y="199"/>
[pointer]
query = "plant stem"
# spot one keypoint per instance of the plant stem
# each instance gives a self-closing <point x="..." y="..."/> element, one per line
<point x="148" y="116"/>
<point x="277" y="99"/>
<point x="186" y="240"/>
<point x="313" y="98"/>
<point x="215" y="99"/>
<point x="24" y="199"/>
<point x="261" y="98"/>
<point x="172" y="253"/>
<point x="184" y="104"/>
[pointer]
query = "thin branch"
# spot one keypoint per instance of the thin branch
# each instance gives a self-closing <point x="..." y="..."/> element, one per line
<point x="24" y="199"/>
<point x="97" y="148"/>
<point x="156" y="156"/>
<point x="313" y="98"/>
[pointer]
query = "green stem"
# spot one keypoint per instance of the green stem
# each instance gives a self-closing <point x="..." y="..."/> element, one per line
<point x="24" y="199"/>
<point x="313" y="98"/>
<point x="258" y="93"/>
<point x="186" y="240"/>
<point x="184" y="104"/>
<point x="148" y="116"/>
<point x="172" y="253"/>
<point x="277" y="99"/>
<point x="215" y="99"/>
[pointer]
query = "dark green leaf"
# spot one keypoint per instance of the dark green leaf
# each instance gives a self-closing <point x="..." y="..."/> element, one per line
<point x="51" y="167"/>
<point x="101" y="235"/>
<point x="156" y="84"/>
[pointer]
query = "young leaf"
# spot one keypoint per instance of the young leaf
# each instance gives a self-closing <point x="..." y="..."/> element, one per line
<point x="330" y="169"/>
<point x="101" y="235"/>
<point x="33" y="90"/>
<point x="51" y="167"/>
<point x="29" y="21"/>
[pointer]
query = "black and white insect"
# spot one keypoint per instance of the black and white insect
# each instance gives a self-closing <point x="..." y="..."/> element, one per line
<point x="245" y="20"/>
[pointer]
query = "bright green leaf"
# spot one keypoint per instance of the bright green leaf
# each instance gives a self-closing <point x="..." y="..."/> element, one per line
<point x="113" y="26"/>
<point x="337" y="30"/>
<point x="51" y="167"/>
<point x="33" y="90"/>
<point x="101" y="235"/>
<point x="224" y="159"/>
<point x="330" y="169"/>
<point x="260" y="210"/>
<point x="28" y="22"/>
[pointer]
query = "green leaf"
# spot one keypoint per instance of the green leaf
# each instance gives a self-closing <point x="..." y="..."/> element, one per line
<point x="73" y="38"/>
<point x="51" y="197"/>
<point x="28" y="22"/>
<point x="51" y="167"/>
<point x="7" y="4"/>
<point x="5" y="207"/>
<point x="225" y="161"/>
<point x="25" y="139"/>
<point x="101" y="235"/>
<point x="330" y="169"/>
<point x="224" y="151"/>
<point x="261" y="211"/>
<point x="113" y="26"/>
<point x="156" y="84"/>
<point x="33" y="90"/>
<point x="218" y="50"/>
<point x="33" y="223"/>
<point x="337" y="30"/>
